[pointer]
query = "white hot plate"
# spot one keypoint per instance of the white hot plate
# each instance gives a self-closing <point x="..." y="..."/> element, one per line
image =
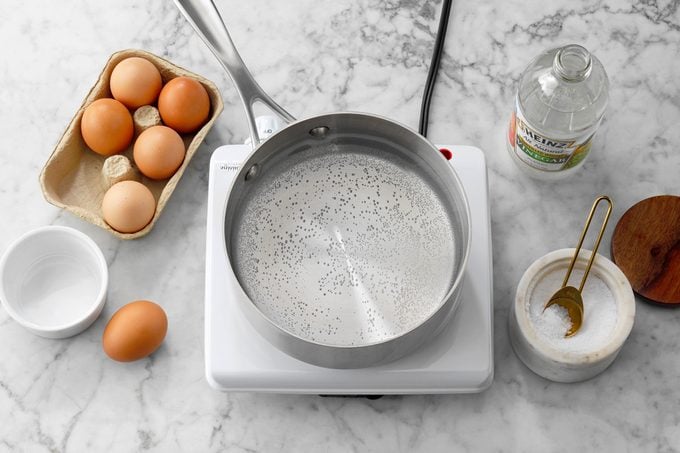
<point x="458" y="360"/>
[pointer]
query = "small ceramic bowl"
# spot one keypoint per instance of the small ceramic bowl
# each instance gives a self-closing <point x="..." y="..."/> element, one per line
<point x="53" y="281"/>
<point x="555" y="360"/>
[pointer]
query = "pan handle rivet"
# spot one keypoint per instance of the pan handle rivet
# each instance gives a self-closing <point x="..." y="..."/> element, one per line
<point x="319" y="131"/>
<point x="252" y="172"/>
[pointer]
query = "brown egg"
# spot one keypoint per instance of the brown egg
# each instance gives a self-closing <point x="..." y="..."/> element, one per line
<point x="135" y="331"/>
<point x="158" y="152"/>
<point x="128" y="206"/>
<point x="135" y="82"/>
<point x="107" y="126"/>
<point x="184" y="104"/>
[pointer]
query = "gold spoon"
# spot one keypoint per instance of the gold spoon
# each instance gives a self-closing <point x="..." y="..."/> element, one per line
<point x="568" y="297"/>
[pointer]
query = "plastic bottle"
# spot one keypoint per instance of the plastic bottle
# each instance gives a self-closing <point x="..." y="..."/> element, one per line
<point x="561" y="98"/>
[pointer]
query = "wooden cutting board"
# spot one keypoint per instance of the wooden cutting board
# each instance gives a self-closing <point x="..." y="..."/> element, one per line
<point x="646" y="246"/>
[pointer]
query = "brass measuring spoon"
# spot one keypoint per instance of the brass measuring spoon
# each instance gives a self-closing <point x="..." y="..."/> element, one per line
<point x="569" y="297"/>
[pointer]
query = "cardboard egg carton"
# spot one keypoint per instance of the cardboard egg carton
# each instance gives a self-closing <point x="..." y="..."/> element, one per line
<point x="73" y="176"/>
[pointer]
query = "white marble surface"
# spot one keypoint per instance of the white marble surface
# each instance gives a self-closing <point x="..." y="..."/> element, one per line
<point x="315" y="57"/>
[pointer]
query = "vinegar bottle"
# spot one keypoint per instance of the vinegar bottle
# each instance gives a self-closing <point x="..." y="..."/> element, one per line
<point x="561" y="98"/>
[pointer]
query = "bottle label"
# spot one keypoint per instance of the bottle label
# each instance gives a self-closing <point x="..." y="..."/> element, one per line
<point x="545" y="153"/>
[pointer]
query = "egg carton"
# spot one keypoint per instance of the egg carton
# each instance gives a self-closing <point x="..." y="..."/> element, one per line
<point x="74" y="177"/>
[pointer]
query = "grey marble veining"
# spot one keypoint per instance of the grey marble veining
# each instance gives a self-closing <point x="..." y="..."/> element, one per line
<point x="314" y="57"/>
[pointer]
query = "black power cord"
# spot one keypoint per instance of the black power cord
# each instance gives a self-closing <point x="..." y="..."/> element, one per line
<point x="434" y="67"/>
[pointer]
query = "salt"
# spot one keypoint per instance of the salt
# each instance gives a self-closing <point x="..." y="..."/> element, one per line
<point x="599" y="308"/>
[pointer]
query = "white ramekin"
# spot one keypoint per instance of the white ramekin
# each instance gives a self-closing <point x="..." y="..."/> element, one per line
<point x="53" y="281"/>
<point x="548" y="360"/>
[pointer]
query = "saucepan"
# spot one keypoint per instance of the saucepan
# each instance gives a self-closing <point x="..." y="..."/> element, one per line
<point x="347" y="232"/>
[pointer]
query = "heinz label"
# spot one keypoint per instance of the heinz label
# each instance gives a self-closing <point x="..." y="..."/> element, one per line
<point x="543" y="152"/>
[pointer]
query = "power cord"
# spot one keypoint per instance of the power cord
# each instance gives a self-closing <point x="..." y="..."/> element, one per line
<point x="434" y="67"/>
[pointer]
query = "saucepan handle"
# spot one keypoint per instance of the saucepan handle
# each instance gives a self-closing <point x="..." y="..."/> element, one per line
<point x="206" y="20"/>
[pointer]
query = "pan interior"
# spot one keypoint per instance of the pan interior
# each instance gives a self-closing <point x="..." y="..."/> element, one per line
<point x="344" y="243"/>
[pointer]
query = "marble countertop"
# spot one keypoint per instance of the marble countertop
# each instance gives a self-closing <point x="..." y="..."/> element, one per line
<point x="66" y="395"/>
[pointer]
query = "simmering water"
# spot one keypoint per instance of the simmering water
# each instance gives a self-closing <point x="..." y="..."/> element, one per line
<point x="344" y="247"/>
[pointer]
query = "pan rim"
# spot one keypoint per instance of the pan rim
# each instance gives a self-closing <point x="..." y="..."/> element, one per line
<point x="441" y="303"/>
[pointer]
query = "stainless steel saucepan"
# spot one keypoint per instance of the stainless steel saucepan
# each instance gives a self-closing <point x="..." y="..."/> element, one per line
<point x="348" y="233"/>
